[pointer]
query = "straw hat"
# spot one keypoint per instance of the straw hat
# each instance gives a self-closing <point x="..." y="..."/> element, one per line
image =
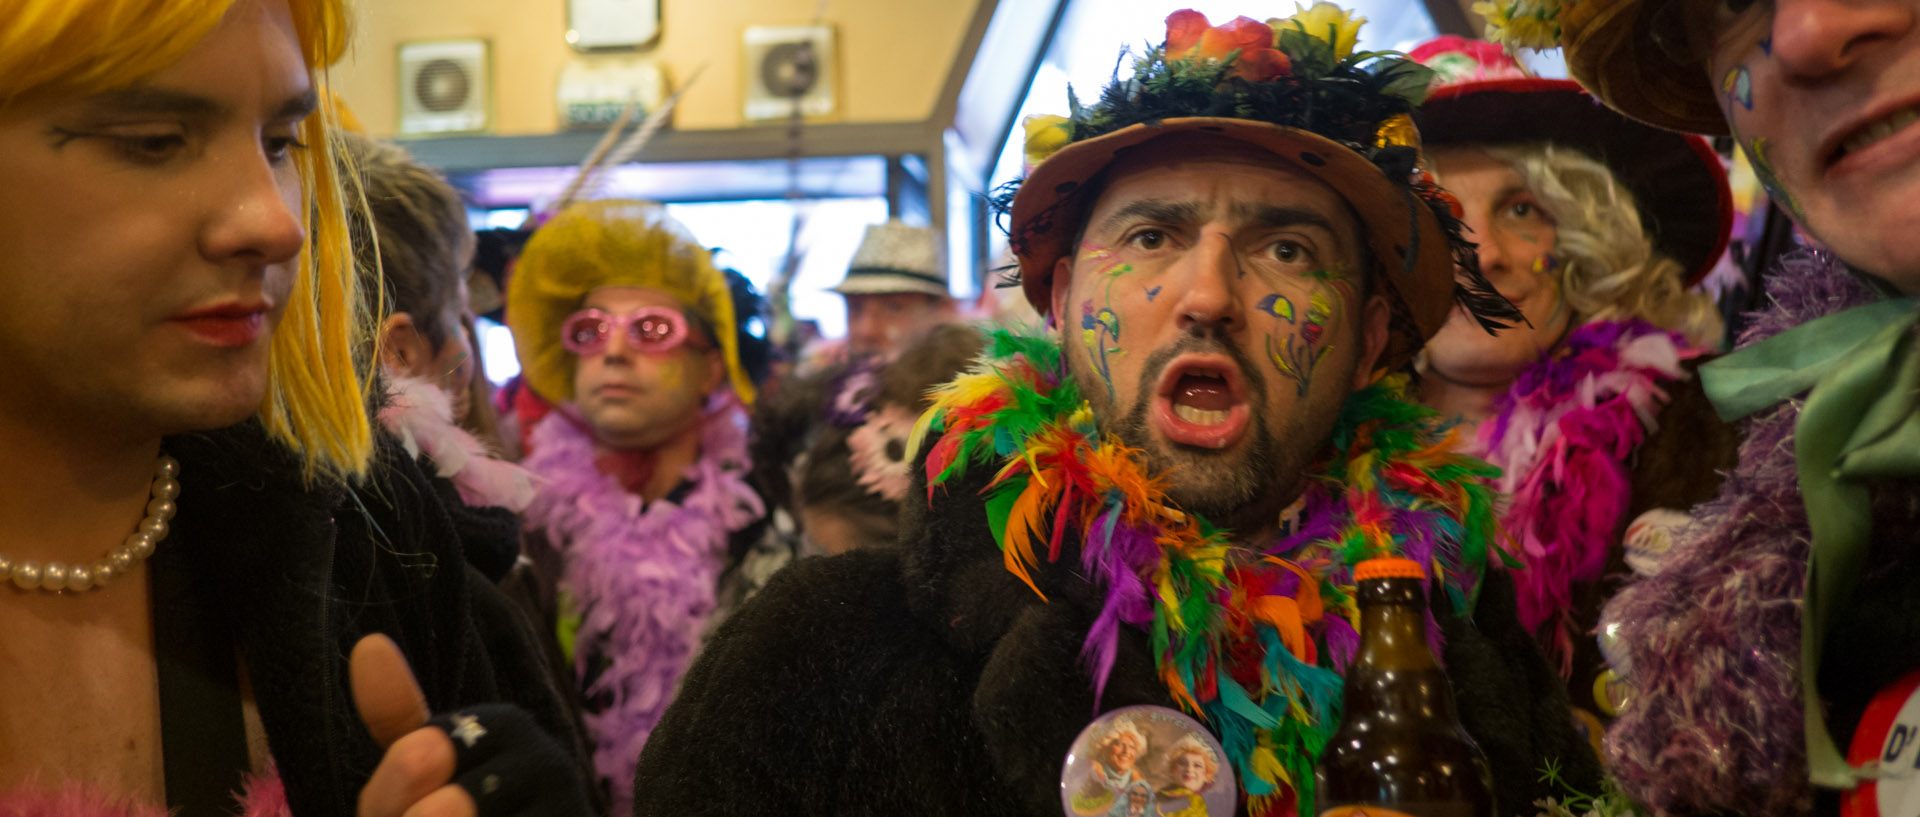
<point x="1613" y="48"/>
<point x="894" y="257"/>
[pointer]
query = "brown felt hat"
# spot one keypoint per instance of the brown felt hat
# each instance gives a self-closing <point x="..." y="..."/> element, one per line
<point x="1612" y="50"/>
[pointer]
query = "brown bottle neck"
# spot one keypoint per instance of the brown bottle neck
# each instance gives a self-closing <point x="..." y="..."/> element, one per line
<point x="1395" y="671"/>
<point x="1393" y="625"/>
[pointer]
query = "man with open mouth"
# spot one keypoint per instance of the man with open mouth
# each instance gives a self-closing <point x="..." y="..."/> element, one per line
<point x="1772" y="682"/>
<point x="1157" y="501"/>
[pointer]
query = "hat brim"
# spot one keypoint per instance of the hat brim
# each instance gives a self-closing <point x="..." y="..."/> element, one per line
<point x="1403" y="233"/>
<point x="883" y="284"/>
<point x="1610" y="49"/>
<point x="1677" y="179"/>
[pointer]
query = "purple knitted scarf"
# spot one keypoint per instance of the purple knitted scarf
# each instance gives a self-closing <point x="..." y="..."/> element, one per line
<point x="1711" y="643"/>
<point x="644" y="575"/>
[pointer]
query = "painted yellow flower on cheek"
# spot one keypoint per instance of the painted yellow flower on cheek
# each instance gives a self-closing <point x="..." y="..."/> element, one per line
<point x="1046" y="134"/>
<point x="1322" y="18"/>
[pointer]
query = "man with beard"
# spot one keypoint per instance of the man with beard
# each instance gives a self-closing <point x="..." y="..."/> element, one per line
<point x="1160" y="502"/>
<point x="1792" y="602"/>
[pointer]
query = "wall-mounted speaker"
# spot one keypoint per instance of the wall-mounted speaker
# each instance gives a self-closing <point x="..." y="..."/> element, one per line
<point x="788" y="66"/>
<point x="445" y="87"/>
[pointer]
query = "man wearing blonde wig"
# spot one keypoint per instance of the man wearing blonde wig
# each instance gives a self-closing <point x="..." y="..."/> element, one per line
<point x="623" y="323"/>
<point x="197" y="525"/>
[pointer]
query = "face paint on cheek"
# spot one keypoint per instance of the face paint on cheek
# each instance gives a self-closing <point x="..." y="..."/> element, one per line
<point x="1100" y="331"/>
<point x="1766" y="45"/>
<point x="1738" y="86"/>
<point x="1300" y="352"/>
<point x="1546" y="266"/>
<point x="675" y="374"/>
<point x="1152" y="293"/>
<point x="1104" y="261"/>
<point x="1769" y="179"/>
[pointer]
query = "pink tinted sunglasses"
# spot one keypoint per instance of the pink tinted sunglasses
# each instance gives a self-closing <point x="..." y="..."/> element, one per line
<point x="649" y="330"/>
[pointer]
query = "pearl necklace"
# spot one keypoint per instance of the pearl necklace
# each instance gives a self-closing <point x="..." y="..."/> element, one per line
<point x="57" y="577"/>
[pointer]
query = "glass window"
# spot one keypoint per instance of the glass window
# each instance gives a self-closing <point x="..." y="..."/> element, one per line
<point x="755" y="236"/>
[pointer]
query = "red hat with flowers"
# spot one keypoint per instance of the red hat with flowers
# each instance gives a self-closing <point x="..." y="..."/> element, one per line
<point x="1297" y="88"/>
<point x="1481" y="95"/>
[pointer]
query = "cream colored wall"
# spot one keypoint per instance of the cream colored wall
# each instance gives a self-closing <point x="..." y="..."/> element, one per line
<point x="893" y="55"/>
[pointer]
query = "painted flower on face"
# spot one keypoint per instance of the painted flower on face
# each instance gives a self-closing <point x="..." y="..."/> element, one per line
<point x="1190" y="36"/>
<point x="1046" y="134"/>
<point x="1297" y="360"/>
<point x="1328" y="22"/>
<point x="1278" y="306"/>
<point x="1319" y="310"/>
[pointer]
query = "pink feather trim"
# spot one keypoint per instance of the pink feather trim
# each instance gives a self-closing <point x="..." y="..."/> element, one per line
<point x="261" y="796"/>
<point x="421" y="416"/>
<point x="1562" y="437"/>
<point x="645" y="575"/>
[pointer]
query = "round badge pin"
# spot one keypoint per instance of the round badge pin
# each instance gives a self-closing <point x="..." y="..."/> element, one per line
<point x="1888" y="737"/>
<point x="1147" y="761"/>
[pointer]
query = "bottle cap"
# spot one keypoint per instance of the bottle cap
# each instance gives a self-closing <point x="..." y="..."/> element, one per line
<point x="1388" y="568"/>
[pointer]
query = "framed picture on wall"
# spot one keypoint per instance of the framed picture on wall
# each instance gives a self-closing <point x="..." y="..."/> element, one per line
<point x="601" y="25"/>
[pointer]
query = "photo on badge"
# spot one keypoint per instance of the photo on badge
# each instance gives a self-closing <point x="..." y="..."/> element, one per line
<point x="1146" y="760"/>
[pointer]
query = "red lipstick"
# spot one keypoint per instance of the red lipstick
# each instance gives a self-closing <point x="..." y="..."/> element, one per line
<point x="227" y="325"/>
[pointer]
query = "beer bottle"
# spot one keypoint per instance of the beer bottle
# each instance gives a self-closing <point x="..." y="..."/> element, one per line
<point x="1400" y="749"/>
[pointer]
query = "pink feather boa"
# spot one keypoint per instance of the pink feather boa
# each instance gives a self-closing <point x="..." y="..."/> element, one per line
<point x="645" y="575"/>
<point x="262" y="796"/>
<point x="420" y="415"/>
<point x="1562" y="436"/>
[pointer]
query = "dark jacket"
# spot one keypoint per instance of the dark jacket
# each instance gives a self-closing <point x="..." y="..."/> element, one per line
<point x="1678" y="466"/>
<point x="302" y="573"/>
<point x="928" y="680"/>
<point x="1874" y="638"/>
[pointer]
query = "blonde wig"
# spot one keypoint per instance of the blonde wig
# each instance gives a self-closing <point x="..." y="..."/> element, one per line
<point x="316" y="390"/>
<point x="1190" y="745"/>
<point x="1122" y="729"/>
<point x="1609" y="269"/>
<point x="612" y="243"/>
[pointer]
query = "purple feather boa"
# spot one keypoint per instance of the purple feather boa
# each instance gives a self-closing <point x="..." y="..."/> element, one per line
<point x="1711" y="643"/>
<point x="644" y="575"/>
<point x="1562" y="435"/>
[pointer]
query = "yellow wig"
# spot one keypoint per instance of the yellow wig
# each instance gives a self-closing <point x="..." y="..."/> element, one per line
<point x="316" y="395"/>
<point x="611" y="243"/>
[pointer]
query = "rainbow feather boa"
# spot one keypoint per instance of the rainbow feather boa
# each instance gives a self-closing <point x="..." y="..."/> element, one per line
<point x="1250" y="639"/>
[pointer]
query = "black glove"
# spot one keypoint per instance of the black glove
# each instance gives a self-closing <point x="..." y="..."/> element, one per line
<point x="510" y="766"/>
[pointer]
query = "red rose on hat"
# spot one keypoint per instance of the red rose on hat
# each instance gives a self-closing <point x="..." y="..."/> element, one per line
<point x="1190" y="36"/>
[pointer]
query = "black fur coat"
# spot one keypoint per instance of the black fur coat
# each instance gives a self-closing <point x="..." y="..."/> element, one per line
<point x="928" y="680"/>
<point x="302" y="573"/>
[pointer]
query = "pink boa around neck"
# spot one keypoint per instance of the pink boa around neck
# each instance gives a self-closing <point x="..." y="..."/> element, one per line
<point x="261" y="796"/>
<point x="1562" y="436"/>
<point x="1711" y="642"/>
<point x="421" y="416"/>
<point x="644" y="574"/>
